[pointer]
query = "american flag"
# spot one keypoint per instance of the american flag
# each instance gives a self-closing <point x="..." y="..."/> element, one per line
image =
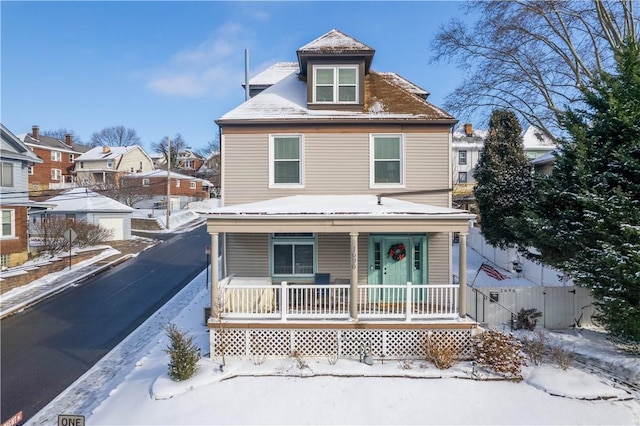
<point x="493" y="272"/>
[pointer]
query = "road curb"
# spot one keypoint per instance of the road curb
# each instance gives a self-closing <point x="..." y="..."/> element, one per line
<point x="53" y="291"/>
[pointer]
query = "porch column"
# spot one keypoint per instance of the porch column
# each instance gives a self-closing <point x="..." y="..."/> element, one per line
<point x="215" y="299"/>
<point x="353" y="289"/>
<point x="462" y="271"/>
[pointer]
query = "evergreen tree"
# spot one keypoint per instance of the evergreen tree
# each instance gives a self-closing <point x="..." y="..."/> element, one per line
<point x="504" y="180"/>
<point x="586" y="220"/>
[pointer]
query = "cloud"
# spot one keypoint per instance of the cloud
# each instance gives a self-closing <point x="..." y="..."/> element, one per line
<point x="211" y="68"/>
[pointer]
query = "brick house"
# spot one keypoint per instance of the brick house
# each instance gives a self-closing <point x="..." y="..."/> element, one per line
<point x="183" y="188"/>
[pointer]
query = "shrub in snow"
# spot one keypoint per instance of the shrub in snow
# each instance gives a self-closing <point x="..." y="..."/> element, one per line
<point x="562" y="357"/>
<point x="536" y="348"/>
<point x="527" y="319"/>
<point x="500" y="352"/>
<point x="439" y="353"/>
<point x="183" y="354"/>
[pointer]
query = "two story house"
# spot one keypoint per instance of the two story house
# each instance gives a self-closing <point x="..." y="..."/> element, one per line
<point x="16" y="159"/>
<point x="56" y="171"/>
<point x="103" y="165"/>
<point x="336" y="206"/>
<point x="182" y="187"/>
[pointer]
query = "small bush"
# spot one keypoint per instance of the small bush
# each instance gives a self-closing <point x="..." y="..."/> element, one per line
<point x="500" y="352"/>
<point x="527" y="319"/>
<point x="536" y="348"/>
<point x="183" y="354"/>
<point x="562" y="357"/>
<point x="439" y="353"/>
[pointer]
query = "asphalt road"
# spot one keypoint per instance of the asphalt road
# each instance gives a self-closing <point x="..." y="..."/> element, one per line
<point x="48" y="346"/>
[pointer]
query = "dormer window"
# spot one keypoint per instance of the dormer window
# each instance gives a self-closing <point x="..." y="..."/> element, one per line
<point x="336" y="84"/>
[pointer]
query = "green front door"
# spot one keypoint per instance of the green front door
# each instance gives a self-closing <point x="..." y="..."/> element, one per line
<point x="395" y="260"/>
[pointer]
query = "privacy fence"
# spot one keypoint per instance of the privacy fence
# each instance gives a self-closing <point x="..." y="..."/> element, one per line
<point x="561" y="303"/>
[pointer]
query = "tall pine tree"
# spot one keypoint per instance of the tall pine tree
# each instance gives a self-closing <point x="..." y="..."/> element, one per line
<point x="504" y="180"/>
<point x="586" y="220"/>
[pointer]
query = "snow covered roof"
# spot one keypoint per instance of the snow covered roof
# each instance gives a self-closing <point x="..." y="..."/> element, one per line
<point x="85" y="200"/>
<point x="339" y="206"/>
<point x="536" y="138"/>
<point x="274" y="73"/>
<point x="335" y="41"/>
<point x="385" y="98"/>
<point x="108" y="152"/>
<point x="163" y="174"/>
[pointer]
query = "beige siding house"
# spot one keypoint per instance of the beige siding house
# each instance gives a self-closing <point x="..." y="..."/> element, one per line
<point x="104" y="165"/>
<point x="336" y="213"/>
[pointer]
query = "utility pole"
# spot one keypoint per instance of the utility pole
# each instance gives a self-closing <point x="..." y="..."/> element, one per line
<point x="168" y="179"/>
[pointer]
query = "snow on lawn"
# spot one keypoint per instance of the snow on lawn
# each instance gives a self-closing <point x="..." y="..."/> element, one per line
<point x="134" y="388"/>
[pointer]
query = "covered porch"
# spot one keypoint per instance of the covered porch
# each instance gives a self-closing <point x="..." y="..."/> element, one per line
<point x="388" y="295"/>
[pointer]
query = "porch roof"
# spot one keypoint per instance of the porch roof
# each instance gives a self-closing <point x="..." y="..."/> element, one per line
<point x="336" y="213"/>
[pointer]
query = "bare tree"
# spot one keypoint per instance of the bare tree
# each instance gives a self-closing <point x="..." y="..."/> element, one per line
<point x="533" y="57"/>
<point x="115" y="136"/>
<point x="177" y="144"/>
<point x="211" y="147"/>
<point x="124" y="190"/>
<point x="61" y="134"/>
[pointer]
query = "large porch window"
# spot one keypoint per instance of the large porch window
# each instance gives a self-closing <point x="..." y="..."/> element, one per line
<point x="293" y="254"/>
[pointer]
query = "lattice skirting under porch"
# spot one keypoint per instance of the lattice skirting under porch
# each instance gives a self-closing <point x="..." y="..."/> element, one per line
<point x="390" y="343"/>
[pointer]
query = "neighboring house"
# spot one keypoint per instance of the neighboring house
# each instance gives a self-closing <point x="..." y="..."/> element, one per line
<point x="336" y="206"/>
<point x="189" y="162"/>
<point x="468" y="145"/>
<point x="210" y="170"/>
<point x="159" y="161"/>
<point x="154" y="184"/>
<point x="544" y="163"/>
<point x="56" y="171"/>
<point x="103" y="165"/>
<point x="82" y="204"/>
<point x="16" y="159"/>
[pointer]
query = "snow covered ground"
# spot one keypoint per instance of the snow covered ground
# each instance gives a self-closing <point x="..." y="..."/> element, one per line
<point x="131" y="386"/>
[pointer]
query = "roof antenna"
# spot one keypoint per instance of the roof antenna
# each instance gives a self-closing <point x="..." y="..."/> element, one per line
<point x="246" y="74"/>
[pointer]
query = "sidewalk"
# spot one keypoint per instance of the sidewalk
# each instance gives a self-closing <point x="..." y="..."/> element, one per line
<point x="24" y="296"/>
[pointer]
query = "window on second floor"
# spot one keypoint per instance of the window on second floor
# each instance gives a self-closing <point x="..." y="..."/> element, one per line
<point x="192" y="185"/>
<point x="335" y="84"/>
<point x="56" y="174"/>
<point x="177" y="183"/>
<point x="8" y="224"/>
<point x="145" y="182"/>
<point x="82" y="164"/>
<point x="6" y="178"/>
<point x="462" y="177"/>
<point x="286" y="161"/>
<point x="387" y="160"/>
<point x="72" y="158"/>
<point x="109" y="164"/>
<point x="462" y="157"/>
<point x="56" y="156"/>
<point x="30" y="170"/>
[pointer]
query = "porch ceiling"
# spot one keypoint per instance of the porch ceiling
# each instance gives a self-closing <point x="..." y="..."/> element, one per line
<point x="336" y="214"/>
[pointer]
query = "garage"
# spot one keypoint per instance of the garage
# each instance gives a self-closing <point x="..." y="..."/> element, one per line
<point x="114" y="224"/>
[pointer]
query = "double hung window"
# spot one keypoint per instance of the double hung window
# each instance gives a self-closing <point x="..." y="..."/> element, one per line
<point x="6" y="178"/>
<point x="56" y="156"/>
<point x="286" y="162"/>
<point x="336" y="84"/>
<point x="462" y="157"/>
<point x="387" y="160"/>
<point x="293" y="254"/>
<point x="8" y="223"/>
<point x="56" y="174"/>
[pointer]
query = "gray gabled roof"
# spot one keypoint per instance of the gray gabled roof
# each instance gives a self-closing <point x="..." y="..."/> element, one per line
<point x="13" y="148"/>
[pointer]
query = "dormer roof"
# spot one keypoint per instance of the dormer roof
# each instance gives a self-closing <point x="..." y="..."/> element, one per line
<point x="334" y="44"/>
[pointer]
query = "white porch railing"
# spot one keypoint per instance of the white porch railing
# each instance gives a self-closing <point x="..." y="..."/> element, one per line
<point x="331" y="301"/>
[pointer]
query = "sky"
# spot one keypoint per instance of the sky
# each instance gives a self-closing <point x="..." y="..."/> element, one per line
<point x="163" y="68"/>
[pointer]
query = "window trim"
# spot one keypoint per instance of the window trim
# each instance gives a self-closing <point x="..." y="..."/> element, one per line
<point x="56" y="174"/>
<point x="372" y="161"/>
<point x="72" y="158"/>
<point x="56" y="156"/>
<point x="192" y="185"/>
<point x="336" y="85"/>
<point x="272" y="183"/>
<point x="290" y="240"/>
<point x="466" y="177"/>
<point x="9" y="165"/>
<point x="145" y="181"/>
<point x="12" y="223"/>
<point x="462" y="159"/>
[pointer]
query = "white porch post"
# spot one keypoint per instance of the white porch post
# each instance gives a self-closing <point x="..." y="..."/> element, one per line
<point x="353" y="289"/>
<point x="462" y="270"/>
<point x="215" y="300"/>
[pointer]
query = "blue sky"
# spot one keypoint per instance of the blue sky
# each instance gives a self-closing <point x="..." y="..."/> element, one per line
<point x="163" y="68"/>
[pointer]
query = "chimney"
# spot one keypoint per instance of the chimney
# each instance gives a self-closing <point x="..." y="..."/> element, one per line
<point x="468" y="129"/>
<point x="68" y="139"/>
<point x="106" y="150"/>
<point x="35" y="132"/>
